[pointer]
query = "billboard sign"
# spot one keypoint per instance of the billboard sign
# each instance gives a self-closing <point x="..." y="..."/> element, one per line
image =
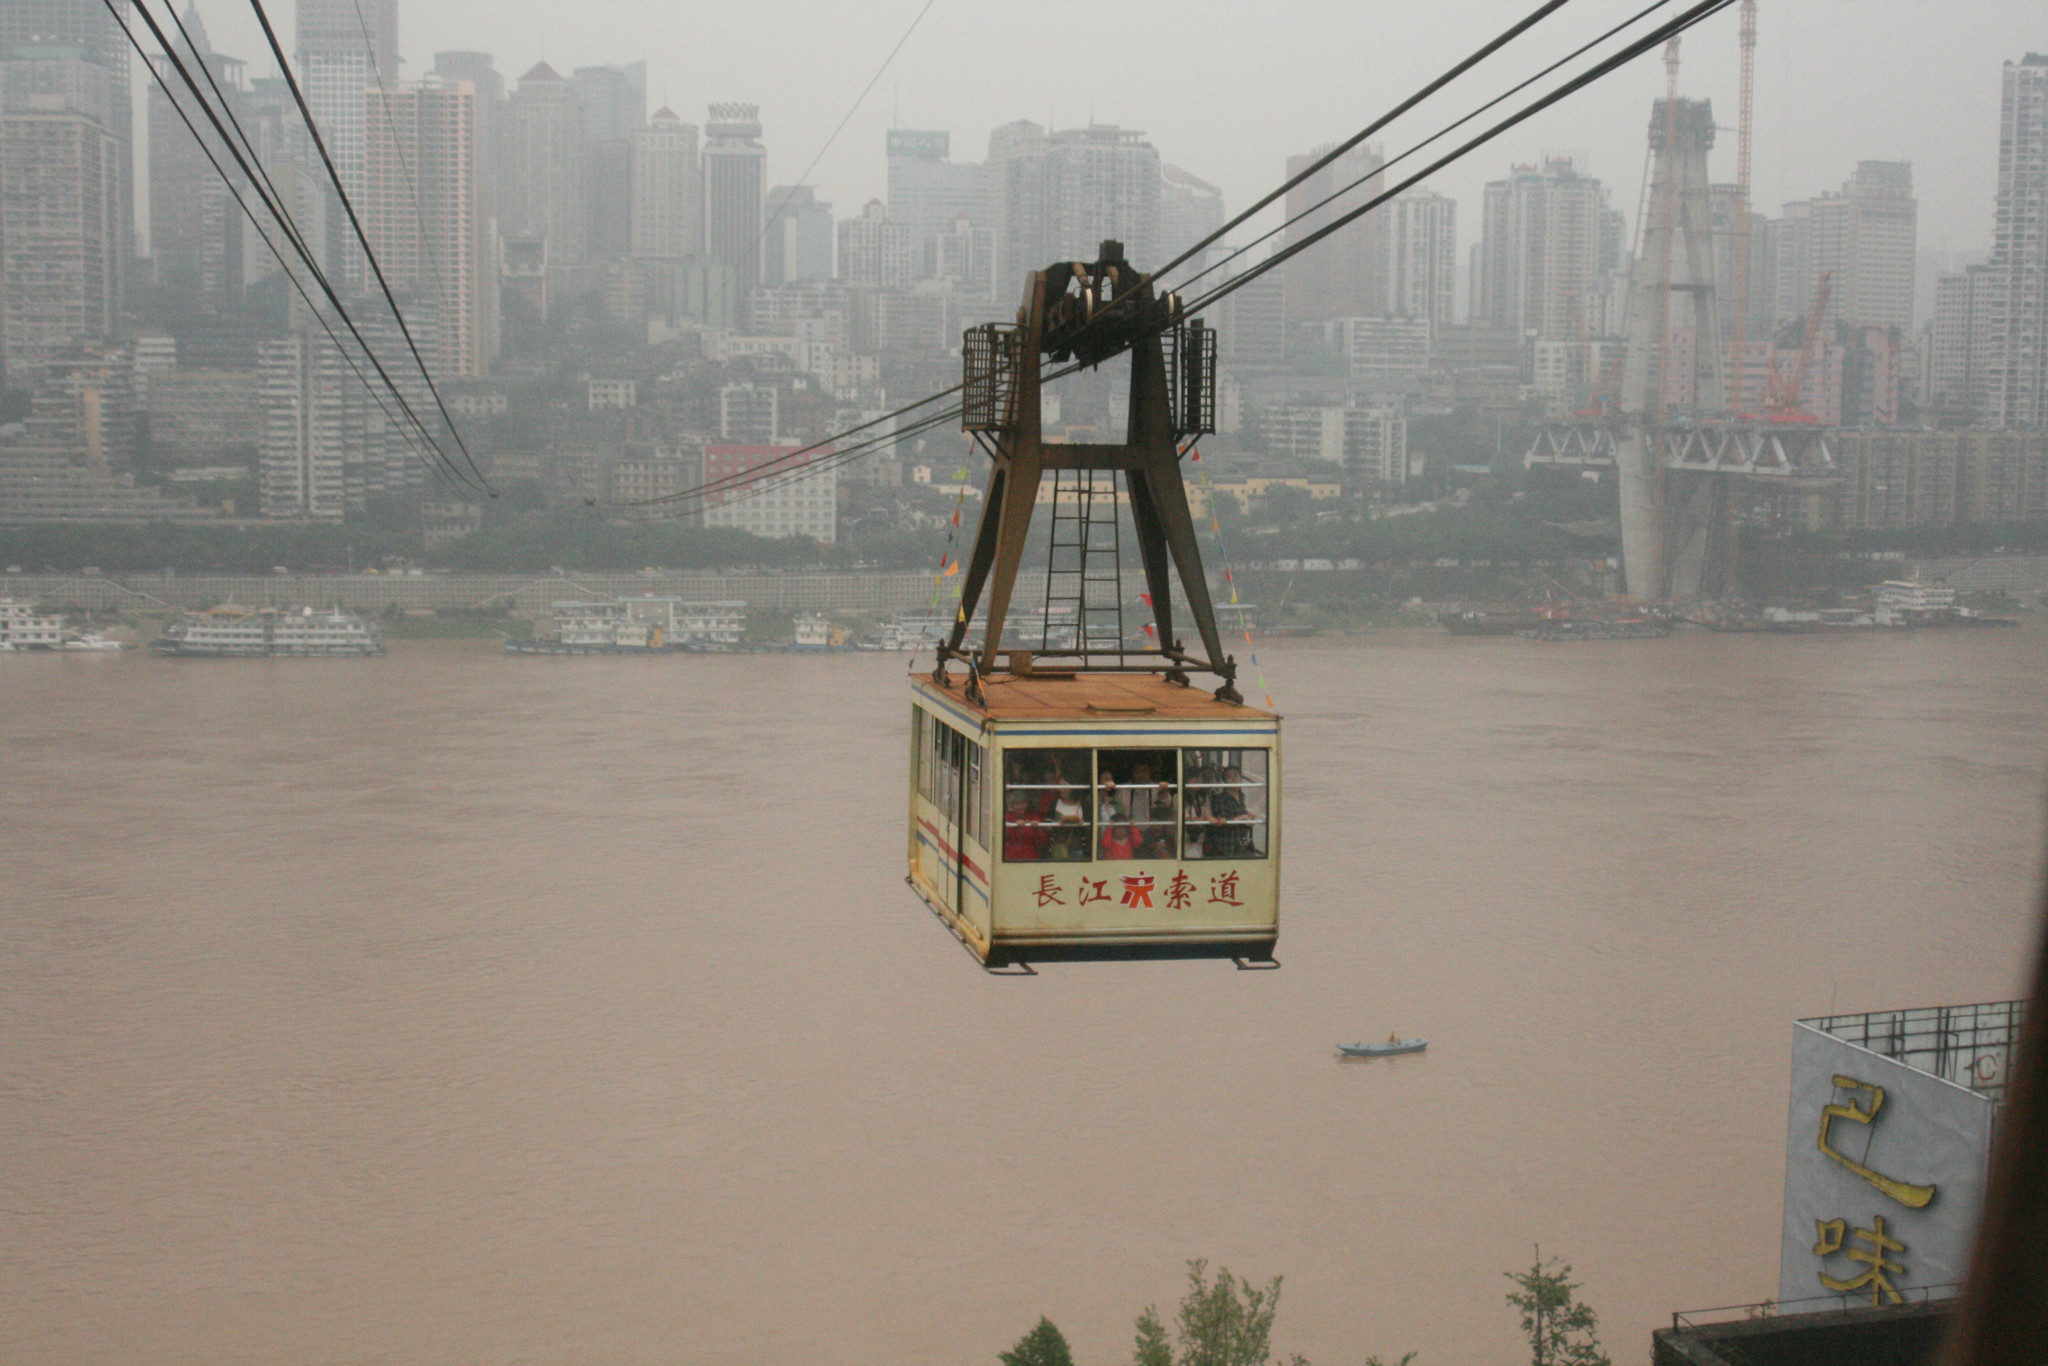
<point x="1884" y="1174"/>
<point x="906" y="142"/>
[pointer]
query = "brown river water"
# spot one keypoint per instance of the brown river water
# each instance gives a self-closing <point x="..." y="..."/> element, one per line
<point x="457" y="1008"/>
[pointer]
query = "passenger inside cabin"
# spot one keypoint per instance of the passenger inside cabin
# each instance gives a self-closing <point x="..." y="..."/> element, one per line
<point x="1069" y="837"/>
<point x="1122" y="841"/>
<point x="1159" y="831"/>
<point x="1227" y="835"/>
<point x="1113" y="804"/>
<point x="1139" y="797"/>
<point x="1024" y="835"/>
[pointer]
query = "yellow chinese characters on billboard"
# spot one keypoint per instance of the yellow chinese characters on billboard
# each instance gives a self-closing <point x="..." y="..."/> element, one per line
<point x="1884" y="1176"/>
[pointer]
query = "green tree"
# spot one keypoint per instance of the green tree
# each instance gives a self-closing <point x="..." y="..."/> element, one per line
<point x="1224" y="1322"/>
<point x="1044" y="1345"/>
<point x="1152" y="1347"/>
<point x="1560" y="1328"/>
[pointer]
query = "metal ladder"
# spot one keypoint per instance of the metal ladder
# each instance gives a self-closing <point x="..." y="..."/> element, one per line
<point x="1083" y="575"/>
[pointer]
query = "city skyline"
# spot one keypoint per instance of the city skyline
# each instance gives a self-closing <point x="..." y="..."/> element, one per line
<point x="804" y="63"/>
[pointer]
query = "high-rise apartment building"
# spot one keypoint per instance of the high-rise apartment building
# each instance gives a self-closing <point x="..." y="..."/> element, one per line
<point x="876" y="250"/>
<point x="542" y="189"/>
<point x="1340" y="276"/>
<point x="613" y="99"/>
<point x="61" y="207"/>
<point x="1418" y="243"/>
<point x="667" y="218"/>
<point x="329" y="444"/>
<point x="735" y="190"/>
<point x="614" y="104"/>
<point x="963" y="257"/>
<point x="1745" y="250"/>
<point x="1057" y="196"/>
<point x="1190" y="209"/>
<point x="346" y="50"/>
<point x="1545" y="232"/>
<point x="926" y="191"/>
<point x="195" y="227"/>
<point x="2016" y="350"/>
<point x="420" y="211"/>
<point x="1866" y="237"/>
<point x="487" y="116"/>
<point x="798" y="242"/>
<point x="84" y="31"/>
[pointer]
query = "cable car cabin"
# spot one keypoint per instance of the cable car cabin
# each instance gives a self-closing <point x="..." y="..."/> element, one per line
<point x="1100" y="806"/>
<point x="1105" y="815"/>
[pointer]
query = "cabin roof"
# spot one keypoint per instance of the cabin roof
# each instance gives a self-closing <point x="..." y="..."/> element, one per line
<point x="1097" y="697"/>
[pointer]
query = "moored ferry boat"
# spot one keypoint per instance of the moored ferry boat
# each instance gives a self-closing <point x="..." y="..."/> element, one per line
<point x="247" y="632"/>
<point x="24" y="628"/>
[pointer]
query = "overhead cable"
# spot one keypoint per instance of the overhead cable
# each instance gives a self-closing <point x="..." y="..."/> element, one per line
<point x="1438" y="135"/>
<point x="376" y="268"/>
<point x="444" y="470"/>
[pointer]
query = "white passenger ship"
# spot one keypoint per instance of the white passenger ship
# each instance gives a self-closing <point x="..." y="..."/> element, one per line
<point x="252" y="632"/>
<point x="23" y="628"/>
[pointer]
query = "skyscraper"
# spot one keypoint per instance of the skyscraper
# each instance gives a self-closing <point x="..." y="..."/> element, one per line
<point x="1543" y="234"/>
<point x="1418" y="244"/>
<point x="1190" y="208"/>
<point x="544" y="169"/>
<point x="874" y="249"/>
<point x="2016" y="359"/>
<point x="614" y="102"/>
<point x="420" y="212"/>
<point x="1057" y="196"/>
<point x="61" y="207"/>
<point x="735" y="190"/>
<point x="798" y="243"/>
<point x="1339" y="276"/>
<point x="1866" y="236"/>
<point x="195" y="227"/>
<point x="926" y="191"/>
<point x="345" y="50"/>
<point x="667" y="218"/>
<point x="85" y="31"/>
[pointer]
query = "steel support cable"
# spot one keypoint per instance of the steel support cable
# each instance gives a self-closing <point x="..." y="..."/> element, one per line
<point x="735" y="490"/>
<point x="253" y="164"/>
<point x="824" y="464"/>
<point x="273" y="199"/>
<point x="377" y="269"/>
<point x="450" y="474"/>
<point x="741" y="476"/>
<point x="1438" y="135"/>
<point x="1457" y="69"/>
<point x="419" y="214"/>
<point x="1699" y="12"/>
<point x="259" y="179"/>
<point x="1513" y="31"/>
<point x="851" y="110"/>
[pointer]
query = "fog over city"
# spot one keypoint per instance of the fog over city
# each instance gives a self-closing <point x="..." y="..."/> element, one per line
<point x="717" y="683"/>
<point x="1229" y="90"/>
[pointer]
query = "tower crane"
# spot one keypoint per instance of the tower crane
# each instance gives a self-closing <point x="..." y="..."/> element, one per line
<point x="1781" y="400"/>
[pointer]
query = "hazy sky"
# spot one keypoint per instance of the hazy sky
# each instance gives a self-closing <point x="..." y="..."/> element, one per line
<point x="1228" y="90"/>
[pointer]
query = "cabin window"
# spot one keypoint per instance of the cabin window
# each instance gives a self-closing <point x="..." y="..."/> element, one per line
<point x="950" y="775"/>
<point x="1224" y="791"/>
<point x="1047" y="805"/>
<point x="1137" y="813"/>
<point x="920" y="750"/>
<point x="977" y="792"/>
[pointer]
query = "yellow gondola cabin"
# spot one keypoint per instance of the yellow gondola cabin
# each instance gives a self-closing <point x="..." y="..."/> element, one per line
<point x="1083" y="799"/>
<point x="1096" y="816"/>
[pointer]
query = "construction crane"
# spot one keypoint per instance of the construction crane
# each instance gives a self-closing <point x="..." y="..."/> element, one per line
<point x="1738" y="311"/>
<point x="1781" y="396"/>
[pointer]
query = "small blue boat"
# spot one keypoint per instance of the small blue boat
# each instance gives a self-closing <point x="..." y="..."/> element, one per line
<point x="1382" y="1050"/>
